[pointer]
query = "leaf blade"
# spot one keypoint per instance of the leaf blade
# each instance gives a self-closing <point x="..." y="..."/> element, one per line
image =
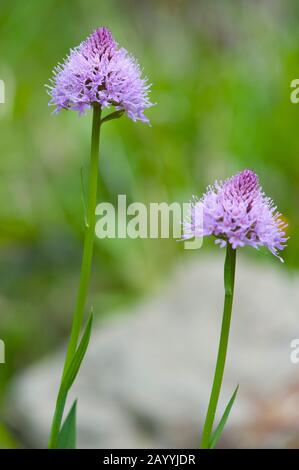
<point x="67" y="381"/>
<point x="73" y="369"/>
<point x="67" y="434"/>
<point x="218" y="431"/>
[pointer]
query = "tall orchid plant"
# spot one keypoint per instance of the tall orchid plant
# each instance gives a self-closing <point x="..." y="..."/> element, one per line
<point x="97" y="74"/>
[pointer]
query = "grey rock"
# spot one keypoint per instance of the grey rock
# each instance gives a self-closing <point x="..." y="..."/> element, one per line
<point x="147" y="375"/>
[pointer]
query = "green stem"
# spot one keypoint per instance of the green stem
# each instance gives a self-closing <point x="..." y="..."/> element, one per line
<point x="89" y="237"/>
<point x="57" y="418"/>
<point x="229" y="281"/>
<point x="85" y="270"/>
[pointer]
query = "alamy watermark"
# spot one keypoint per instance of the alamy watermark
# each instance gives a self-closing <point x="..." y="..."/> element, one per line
<point x="294" y="96"/>
<point x="138" y="220"/>
<point x="294" y="355"/>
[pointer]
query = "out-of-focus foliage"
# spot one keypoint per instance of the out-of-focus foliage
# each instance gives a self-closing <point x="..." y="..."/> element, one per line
<point x="221" y="74"/>
<point x="7" y="441"/>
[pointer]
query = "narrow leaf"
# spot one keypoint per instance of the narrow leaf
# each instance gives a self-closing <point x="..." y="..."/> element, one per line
<point x="218" y="431"/>
<point x="75" y="364"/>
<point x="67" y="435"/>
<point x="67" y="381"/>
<point x="114" y="115"/>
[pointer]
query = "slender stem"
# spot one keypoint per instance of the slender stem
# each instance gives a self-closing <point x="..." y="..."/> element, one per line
<point x="88" y="239"/>
<point x="85" y="270"/>
<point x="57" y="418"/>
<point x="229" y="281"/>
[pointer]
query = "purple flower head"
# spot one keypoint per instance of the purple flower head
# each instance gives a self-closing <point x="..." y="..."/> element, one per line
<point x="99" y="71"/>
<point x="237" y="211"/>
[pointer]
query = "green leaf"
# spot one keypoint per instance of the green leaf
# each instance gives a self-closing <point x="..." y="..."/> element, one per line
<point x="67" y="435"/>
<point x="68" y="380"/>
<point x="75" y="364"/>
<point x="218" y="431"/>
<point x="114" y="115"/>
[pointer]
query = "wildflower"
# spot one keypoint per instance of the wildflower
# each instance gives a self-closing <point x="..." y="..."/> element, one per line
<point x="238" y="212"/>
<point x="97" y="74"/>
<point x="98" y="71"/>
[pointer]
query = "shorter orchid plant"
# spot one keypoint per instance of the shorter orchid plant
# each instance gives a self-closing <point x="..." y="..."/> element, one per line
<point x="97" y="74"/>
<point x="237" y="213"/>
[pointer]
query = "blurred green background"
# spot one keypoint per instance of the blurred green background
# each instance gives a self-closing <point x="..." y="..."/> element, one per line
<point x="221" y="74"/>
